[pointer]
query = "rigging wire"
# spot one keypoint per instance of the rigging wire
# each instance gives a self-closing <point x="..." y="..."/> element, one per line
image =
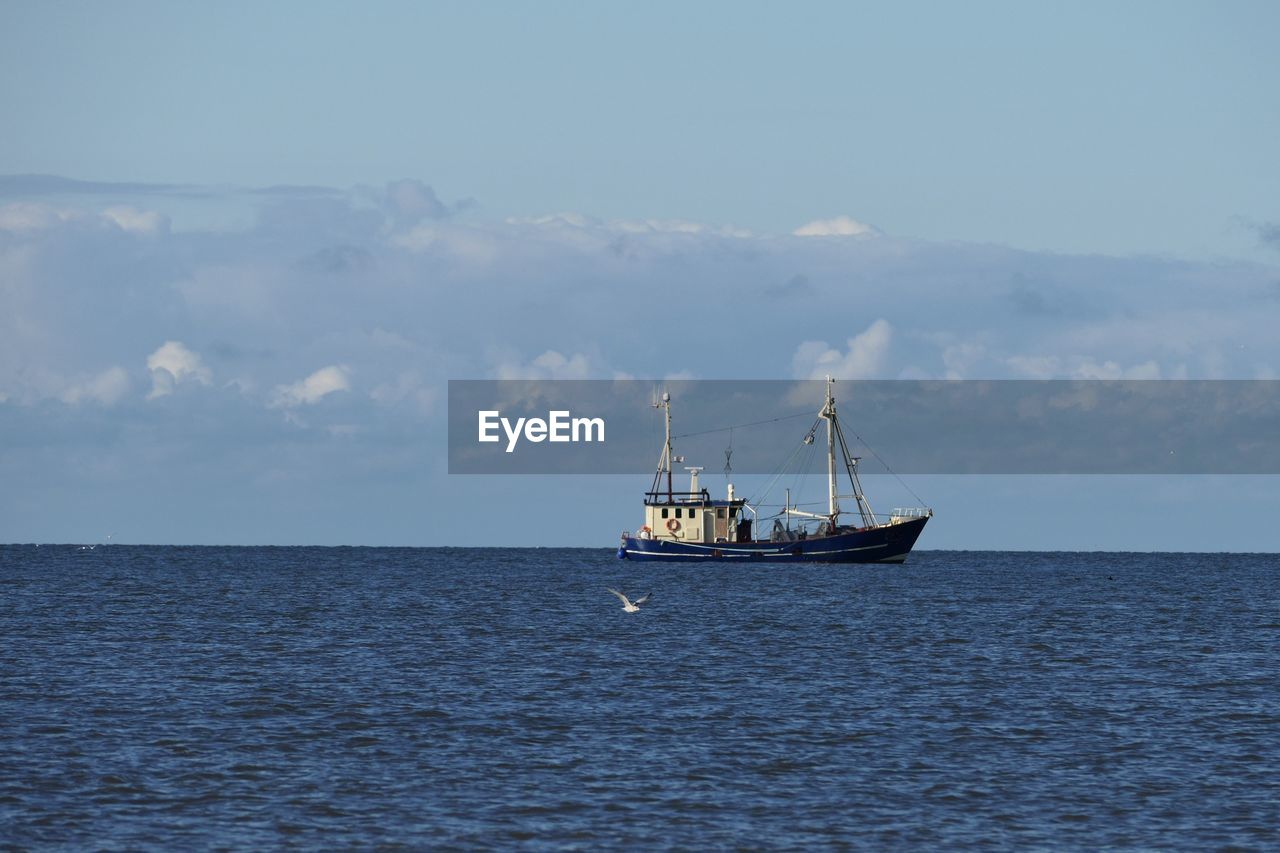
<point x="804" y="468"/>
<point x="740" y="426"/>
<point x="782" y="470"/>
<point x="786" y="466"/>
<point x="901" y="482"/>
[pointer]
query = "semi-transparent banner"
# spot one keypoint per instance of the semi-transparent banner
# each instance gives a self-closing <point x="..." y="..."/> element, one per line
<point x="910" y="426"/>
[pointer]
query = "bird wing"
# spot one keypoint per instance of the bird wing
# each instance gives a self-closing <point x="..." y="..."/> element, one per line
<point x="646" y="597"/>
<point x="620" y="595"/>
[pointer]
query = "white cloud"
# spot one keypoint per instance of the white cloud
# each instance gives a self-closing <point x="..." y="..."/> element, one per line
<point x="172" y="364"/>
<point x="136" y="221"/>
<point x="578" y="222"/>
<point x="106" y="388"/>
<point x="410" y="200"/>
<point x="1034" y="366"/>
<point x="309" y="391"/>
<point x="661" y="226"/>
<point x="570" y="219"/>
<point x="959" y="359"/>
<point x="550" y="365"/>
<point x="587" y="297"/>
<point x="408" y="388"/>
<point x="33" y="216"/>
<point x="463" y="243"/>
<point x="1083" y="367"/>
<point x="27" y="216"/>
<point x="1089" y="369"/>
<point x="841" y="226"/>
<point x="863" y="359"/>
<point x="236" y="289"/>
<point x="675" y="226"/>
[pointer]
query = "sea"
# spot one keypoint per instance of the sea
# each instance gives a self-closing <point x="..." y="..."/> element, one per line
<point x="248" y="698"/>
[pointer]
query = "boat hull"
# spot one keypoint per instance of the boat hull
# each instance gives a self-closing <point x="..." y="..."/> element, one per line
<point x="888" y="544"/>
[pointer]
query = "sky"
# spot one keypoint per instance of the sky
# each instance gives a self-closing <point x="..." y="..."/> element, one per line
<point x="244" y="247"/>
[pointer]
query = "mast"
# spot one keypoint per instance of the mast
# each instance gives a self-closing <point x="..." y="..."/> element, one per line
<point x="851" y="465"/>
<point x="666" y="404"/>
<point x="829" y="412"/>
<point x="664" y="461"/>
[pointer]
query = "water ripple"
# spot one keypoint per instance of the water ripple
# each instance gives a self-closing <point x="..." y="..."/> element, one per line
<point x="365" y="697"/>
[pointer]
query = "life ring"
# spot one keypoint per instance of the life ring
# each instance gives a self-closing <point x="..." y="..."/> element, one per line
<point x="673" y="524"/>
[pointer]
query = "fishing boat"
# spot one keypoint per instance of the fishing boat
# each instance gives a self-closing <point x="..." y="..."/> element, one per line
<point x="682" y="526"/>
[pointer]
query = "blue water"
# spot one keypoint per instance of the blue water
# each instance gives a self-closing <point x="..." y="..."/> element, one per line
<point x="357" y="697"/>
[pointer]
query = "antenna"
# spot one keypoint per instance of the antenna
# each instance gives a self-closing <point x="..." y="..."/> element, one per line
<point x="728" y="456"/>
<point x="693" y="478"/>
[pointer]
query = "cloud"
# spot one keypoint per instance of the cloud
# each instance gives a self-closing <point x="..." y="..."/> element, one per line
<point x="550" y="365"/>
<point x="272" y="284"/>
<point x="38" y="216"/>
<point x="173" y="364"/>
<point x="36" y="185"/>
<point x="1088" y="368"/>
<point x="407" y="388"/>
<point x="136" y="221"/>
<point x="410" y="201"/>
<point x="863" y="359"/>
<point x="581" y="222"/>
<point x="1269" y="234"/>
<point x="1031" y="301"/>
<point x="797" y="286"/>
<point x="314" y="388"/>
<point x="302" y="191"/>
<point x="309" y="280"/>
<point x="29" y="216"/>
<point x="1034" y="366"/>
<point x="841" y="226"/>
<point x="574" y="220"/>
<point x="474" y="247"/>
<point x="106" y="388"/>
<point x="959" y="359"/>
<point x="338" y="259"/>
<point x="1084" y="367"/>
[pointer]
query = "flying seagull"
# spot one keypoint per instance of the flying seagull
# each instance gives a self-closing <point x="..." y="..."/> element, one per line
<point x="627" y="604"/>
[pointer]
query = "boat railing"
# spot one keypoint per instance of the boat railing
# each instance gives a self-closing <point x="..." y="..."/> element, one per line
<point x="879" y="519"/>
<point x="665" y="497"/>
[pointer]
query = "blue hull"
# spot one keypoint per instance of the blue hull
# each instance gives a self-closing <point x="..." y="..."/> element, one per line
<point x="879" y="545"/>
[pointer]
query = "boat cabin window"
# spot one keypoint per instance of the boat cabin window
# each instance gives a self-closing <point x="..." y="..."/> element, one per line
<point x="720" y="512"/>
<point x="664" y="512"/>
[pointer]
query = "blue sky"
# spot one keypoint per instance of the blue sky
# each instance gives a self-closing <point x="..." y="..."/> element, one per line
<point x="259" y="239"/>
<point x="1143" y="127"/>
